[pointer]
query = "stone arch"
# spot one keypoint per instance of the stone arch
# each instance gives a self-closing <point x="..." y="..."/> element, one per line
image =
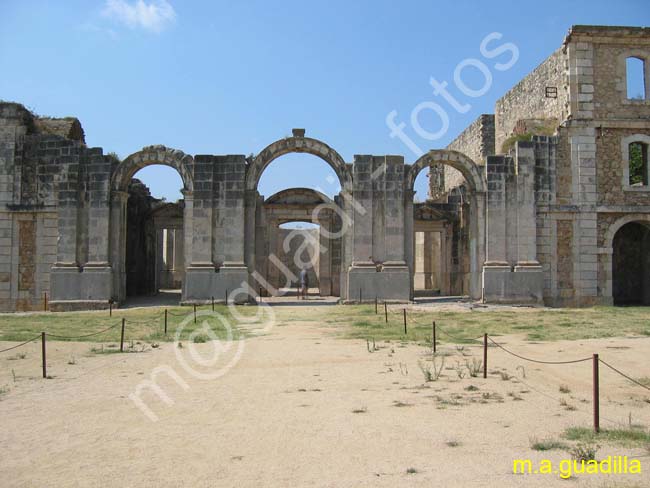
<point x="468" y="168"/>
<point x="614" y="228"/>
<point x="158" y="154"/>
<point x="308" y="196"/>
<point x="606" y="252"/>
<point x="476" y="196"/>
<point x="298" y="145"/>
<point x="120" y="180"/>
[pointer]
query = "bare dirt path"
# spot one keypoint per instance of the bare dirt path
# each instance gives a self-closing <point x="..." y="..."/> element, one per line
<point x="303" y="408"/>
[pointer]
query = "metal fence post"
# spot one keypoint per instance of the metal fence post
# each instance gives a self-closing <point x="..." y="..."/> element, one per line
<point x="596" y="396"/>
<point x="122" y="335"/>
<point x="433" y="338"/>
<point x="43" y="354"/>
<point x="485" y="336"/>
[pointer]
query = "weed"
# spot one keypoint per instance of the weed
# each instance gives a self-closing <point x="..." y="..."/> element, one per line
<point x="453" y="443"/>
<point x="471" y="388"/>
<point x="460" y="371"/>
<point x="473" y="366"/>
<point x="547" y="444"/>
<point x="360" y="410"/>
<point x="505" y="376"/>
<point x="564" y="389"/>
<point x="200" y="339"/>
<point x="432" y="371"/>
<point x="398" y="403"/>
<point x="72" y="361"/>
<point x="584" y="451"/>
<point x="411" y="471"/>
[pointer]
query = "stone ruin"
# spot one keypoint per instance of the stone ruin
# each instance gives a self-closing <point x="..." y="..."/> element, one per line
<point x="545" y="201"/>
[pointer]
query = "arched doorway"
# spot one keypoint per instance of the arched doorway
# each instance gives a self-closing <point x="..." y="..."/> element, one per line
<point x="427" y="217"/>
<point x="631" y="264"/>
<point x="264" y="216"/>
<point x="299" y="231"/>
<point x="148" y="229"/>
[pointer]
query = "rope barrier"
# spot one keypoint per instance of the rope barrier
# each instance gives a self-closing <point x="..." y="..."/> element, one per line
<point x="624" y="375"/>
<point x="82" y="336"/>
<point x="22" y="344"/>
<point x="458" y="339"/>
<point x="537" y="360"/>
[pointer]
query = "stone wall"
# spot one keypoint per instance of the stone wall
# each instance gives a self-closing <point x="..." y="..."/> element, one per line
<point x="528" y="98"/>
<point x="477" y="140"/>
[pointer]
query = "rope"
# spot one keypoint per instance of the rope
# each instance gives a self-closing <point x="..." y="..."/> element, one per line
<point x="22" y="344"/>
<point x="624" y="375"/>
<point x="83" y="336"/>
<point x="537" y="360"/>
<point x="140" y="322"/>
<point x="457" y="339"/>
<point x="180" y="314"/>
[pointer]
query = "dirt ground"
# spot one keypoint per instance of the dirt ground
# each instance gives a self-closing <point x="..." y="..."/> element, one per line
<point x="301" y="407"/>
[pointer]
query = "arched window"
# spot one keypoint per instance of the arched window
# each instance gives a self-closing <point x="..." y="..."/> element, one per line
<point x="635" y="78"/>
<point x="638" y="164"/>
<point x="636" y="170"/>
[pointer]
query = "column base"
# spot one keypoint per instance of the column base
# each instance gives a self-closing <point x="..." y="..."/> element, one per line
<point x="522" y="285"/>
<point x="80" y="288"/>
<point x="365" y="283"/>
<point x="204" y="282"/>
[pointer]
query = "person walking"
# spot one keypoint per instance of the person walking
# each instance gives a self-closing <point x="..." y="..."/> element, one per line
<point x="304" y="283"/>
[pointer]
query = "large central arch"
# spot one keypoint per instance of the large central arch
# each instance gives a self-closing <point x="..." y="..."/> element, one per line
<point x="476" y="183"/>
<point x="297" y="144"/>
<point x="255" y="219"/>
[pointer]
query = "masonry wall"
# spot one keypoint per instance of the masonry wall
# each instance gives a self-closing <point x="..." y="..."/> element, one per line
<point x="477" y="140"/>
<point x="528" y="99"/>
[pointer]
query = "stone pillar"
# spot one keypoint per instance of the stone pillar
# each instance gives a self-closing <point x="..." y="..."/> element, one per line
<point x="364" y="280"/>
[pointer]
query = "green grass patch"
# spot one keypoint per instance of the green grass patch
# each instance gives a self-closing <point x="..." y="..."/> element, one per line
<point x="547" y="445"/>
<point x="142" y="324"/>
<point x="634" y="437"/>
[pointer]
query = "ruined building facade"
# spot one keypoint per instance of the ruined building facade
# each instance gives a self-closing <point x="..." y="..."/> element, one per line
<point x="545" y="201"/>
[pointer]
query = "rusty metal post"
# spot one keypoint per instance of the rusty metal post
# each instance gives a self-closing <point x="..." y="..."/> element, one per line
<point x="386" y="311"/>
<point x="195" y="313"/>
<point x="43" y="354"/>
<point x="165" y="321"/>
<point x="376" y="305"/>
<point x="433" y="338"/>
<point x="45" y="301"/>
<point x="212" y="298"/>
<point x="360" y="296"/>
<point x="485" y="355"/>
<point x="110" y="308"/>
<point x="404" y="321"/>
<point x="122" y="335"/>
<point x="226" y="300"/>
<point x="596" y="396"/>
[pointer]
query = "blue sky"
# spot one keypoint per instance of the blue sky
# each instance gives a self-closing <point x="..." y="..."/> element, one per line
<point x="231" y="77"/>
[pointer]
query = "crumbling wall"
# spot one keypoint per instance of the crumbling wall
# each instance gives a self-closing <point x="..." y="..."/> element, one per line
<point x="529" y="99"/>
